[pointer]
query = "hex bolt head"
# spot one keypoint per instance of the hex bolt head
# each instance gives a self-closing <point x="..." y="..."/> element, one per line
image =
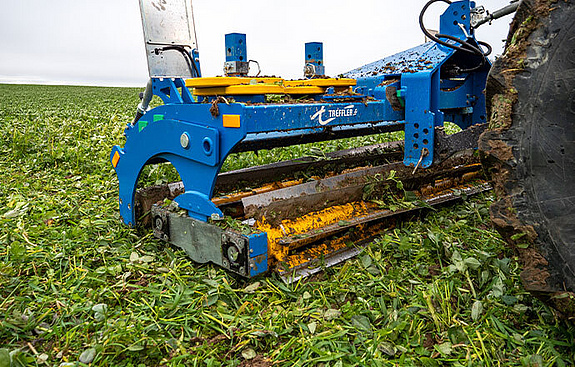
<point x="185" y="140"/>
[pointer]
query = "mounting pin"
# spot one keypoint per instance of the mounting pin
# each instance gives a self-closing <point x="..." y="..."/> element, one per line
<point x="185" y="140"/>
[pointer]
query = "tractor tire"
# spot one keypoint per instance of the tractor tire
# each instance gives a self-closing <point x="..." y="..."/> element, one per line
<point x="529" y="149"/>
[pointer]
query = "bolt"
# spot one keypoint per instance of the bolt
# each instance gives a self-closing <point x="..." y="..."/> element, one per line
<point x="251" y="251"/>
<point x="225" y="263"/>
<point x="159" y="224"/>
<point x="233" y="253"/>
<point x="185" y="140"/>
<point x="242" y="270"/>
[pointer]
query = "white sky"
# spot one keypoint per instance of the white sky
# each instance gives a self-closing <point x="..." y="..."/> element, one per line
<point x="100" y="42"/>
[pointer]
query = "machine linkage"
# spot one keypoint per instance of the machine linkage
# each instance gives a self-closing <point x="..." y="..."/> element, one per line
<point x="295" y="216"/>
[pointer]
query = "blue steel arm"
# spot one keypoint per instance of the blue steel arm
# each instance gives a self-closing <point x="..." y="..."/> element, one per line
<point x="158" y="135"/>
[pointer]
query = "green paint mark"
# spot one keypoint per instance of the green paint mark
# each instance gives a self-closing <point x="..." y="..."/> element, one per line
<point x="142" y="125"/>
<point x="400" y="98"/>
<point x="158" y="118"/>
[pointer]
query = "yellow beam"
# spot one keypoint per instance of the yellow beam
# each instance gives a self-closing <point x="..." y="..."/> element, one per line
<point x="222" y="81"/>
<point x="328" y="82"/>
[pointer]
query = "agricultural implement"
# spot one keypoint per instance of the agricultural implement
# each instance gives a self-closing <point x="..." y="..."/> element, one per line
<point x="297" y="216"/>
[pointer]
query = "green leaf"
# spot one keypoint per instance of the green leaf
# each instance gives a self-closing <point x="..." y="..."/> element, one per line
<point x="331" y="314"/>
<point x="517" y="236"/>
<point x="134" y="257"/>
<point x="312" y="326"/>
<point x="410" y="196"/>
<point x="535" y="360"/>
<point x="428" y="362"/>
<point x="211" y="300"/>
<point x="17" y="250"/>
<point x="5" y="359"/>
<point x="252" y="287"/>
<point x="472" y="263"/>
<point x="498" y="289"/>
<point x="20" y="209"/>
<point x="88" y="355"/>
<point x="444" y="348"/>
<point x="249" y="353"/>
<point x="387" y="348"/>
<point x="509" y="300"/>
<point x="366" y="261"/>
<point x="146" y="259"/>
<point x="361" y="323"/>
<point x="456" y="257"/>
<point x="476" y="310"/>
<point x="136" y="347"/>
<point x="100" y="308"/>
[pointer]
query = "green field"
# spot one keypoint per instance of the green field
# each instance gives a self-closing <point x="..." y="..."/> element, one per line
<point x="77" y="287"/>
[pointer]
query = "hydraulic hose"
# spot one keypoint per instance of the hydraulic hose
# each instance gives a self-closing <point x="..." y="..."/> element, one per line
<point x="143" y="105"/>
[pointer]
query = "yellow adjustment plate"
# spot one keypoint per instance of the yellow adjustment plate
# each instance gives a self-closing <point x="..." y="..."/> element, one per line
<point x="222" y="81"/>
<point x="331" y="82"/>
<point x="257" y="89"/>
<point x="305" y="90"/>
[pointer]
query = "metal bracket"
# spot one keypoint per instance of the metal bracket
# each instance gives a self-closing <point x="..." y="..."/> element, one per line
<point x="204" y="242"/>
<point x="421" y="116"/>
<point x="313" y="60"/>
<point x="172" y="91"/>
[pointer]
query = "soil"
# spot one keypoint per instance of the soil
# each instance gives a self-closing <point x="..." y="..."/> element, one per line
<point x="258" y="361"/>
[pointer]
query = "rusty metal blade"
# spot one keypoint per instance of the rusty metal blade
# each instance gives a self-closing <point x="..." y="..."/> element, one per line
<point x="323" y="258"/>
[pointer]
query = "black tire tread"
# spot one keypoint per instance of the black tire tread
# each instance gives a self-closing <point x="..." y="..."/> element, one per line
<point x="529" y="150"/>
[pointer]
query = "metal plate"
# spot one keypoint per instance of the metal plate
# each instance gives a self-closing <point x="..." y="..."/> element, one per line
<point x="165" y="23"/>
<point x="293" y="275"/>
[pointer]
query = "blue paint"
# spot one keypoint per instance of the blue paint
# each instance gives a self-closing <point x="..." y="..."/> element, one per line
<point x="258" y="244"/>
<point x="236" y="49"/>
<point x="314" y="56"/>
<point x="260" y="265"/>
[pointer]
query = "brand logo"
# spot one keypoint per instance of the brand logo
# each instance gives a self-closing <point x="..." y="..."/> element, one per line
<point x="347" y="111"/>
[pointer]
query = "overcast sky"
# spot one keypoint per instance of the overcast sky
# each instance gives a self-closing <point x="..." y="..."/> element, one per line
<point x="100" y="42"/>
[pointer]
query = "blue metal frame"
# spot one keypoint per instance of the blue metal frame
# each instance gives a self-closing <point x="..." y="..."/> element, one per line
<point x="236" y="48"/>
<point x="185" y="133"/>
<point x="314" y="56"/>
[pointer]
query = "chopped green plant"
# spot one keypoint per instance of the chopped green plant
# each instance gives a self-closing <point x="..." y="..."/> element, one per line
<point x="79" y="288"/>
